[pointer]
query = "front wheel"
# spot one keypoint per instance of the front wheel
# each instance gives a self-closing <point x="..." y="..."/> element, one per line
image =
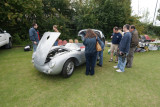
<point x="68" y="68"/>
<point x="9" y="45"/>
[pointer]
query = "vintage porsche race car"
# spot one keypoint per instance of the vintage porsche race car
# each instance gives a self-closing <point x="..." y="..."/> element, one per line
<point x="54" y="60"/>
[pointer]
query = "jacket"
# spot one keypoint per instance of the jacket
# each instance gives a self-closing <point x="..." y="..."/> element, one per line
<point x="90" y="45"/>
<point x="124" y="45"/>
<point x="134" y="39"/>
<point x="33" y="35"/>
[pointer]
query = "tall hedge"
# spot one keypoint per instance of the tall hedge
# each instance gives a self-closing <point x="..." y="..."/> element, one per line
<point x="17" y="16"/>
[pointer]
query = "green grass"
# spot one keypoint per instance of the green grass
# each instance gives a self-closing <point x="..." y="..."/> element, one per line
<point x="21" y="85"/>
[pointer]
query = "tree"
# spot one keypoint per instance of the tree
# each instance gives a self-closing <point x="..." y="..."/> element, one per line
<point x="101" y="14"/>
<point x="57" y="12"/>
<point x="16" y="16"/>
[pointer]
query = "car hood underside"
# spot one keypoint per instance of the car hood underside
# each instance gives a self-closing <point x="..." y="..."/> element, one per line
<point x="44" y="46"/>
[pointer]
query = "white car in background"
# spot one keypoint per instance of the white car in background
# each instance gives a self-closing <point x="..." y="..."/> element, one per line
<point x="5" y="39"/>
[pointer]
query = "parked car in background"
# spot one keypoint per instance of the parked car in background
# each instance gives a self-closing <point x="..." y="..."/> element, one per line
<point x="54" y="60"/>
<point x="99" y="33"/>
<point x="5" y="39"/>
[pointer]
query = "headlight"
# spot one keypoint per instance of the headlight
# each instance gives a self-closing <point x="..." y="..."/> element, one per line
<point x="52" y="64"/>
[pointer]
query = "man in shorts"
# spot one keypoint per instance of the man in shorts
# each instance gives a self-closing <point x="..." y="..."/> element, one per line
<point x="116" y="38"/>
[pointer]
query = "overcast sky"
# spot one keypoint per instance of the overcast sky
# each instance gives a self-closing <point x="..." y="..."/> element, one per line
<point x="139" y="7"/>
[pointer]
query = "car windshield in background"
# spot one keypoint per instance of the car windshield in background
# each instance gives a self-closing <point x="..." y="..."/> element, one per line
<point x="83" y="33"/>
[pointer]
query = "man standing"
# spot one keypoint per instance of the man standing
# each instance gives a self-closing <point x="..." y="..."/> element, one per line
<point x="133" y="45"/>
<point x="116" y="38"/>
<point x="34" y="36"/>
<point x="123" y="49"/>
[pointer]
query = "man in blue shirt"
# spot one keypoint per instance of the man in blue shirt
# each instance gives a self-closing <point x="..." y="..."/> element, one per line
<point x="34" y="36"/>
<point x="124" y="47"/>
<point x="116" y="38"/>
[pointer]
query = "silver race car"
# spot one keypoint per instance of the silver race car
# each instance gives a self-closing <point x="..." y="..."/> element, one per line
<point x="54" y="60"/>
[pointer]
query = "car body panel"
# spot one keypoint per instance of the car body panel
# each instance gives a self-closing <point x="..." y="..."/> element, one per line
<point x="59" y="59"/>
<point x="51" y="59"/>
<point x="4" y="37"/>
<point x="44" y="46"/>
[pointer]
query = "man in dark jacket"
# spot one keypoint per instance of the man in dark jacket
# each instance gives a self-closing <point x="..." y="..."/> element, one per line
<point x="124" y="47"/>
<point x="133" y="45"/>
<point x="34" y="36"/>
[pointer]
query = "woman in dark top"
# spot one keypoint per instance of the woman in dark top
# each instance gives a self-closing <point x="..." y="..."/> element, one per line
<point x="55" y="30"/>
<point x="90" y="51"/>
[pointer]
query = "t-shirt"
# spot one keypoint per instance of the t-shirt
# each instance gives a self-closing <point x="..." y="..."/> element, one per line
<point x="116" y="38"/>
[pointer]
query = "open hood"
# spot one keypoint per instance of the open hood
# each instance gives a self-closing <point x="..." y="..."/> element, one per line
<point x="44" y="46"/>
<point x="82" y="33"/>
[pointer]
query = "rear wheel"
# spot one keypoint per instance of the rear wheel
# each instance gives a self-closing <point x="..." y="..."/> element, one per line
<point x="68" y="68"/>
<point x="9" y="45"/>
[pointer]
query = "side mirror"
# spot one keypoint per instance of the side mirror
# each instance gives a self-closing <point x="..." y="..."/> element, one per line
<point x="4" y="31"/>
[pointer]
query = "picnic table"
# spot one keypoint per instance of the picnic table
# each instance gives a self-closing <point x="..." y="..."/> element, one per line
<point x="156" y="42"/>
<point x="155" y="45"/>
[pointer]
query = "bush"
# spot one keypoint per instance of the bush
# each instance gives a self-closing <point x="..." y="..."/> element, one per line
<point x="17" y="40"/>
<point x="152" y="30"/>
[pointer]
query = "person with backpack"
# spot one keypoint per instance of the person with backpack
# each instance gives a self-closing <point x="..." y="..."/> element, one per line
<point x="133" y="45"/>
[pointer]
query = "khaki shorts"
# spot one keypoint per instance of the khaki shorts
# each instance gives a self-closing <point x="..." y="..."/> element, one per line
<point x="114" y="48"/>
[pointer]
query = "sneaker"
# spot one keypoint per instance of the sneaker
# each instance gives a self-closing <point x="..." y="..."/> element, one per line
<point x="119" y="70"/>
<point x="115" y="67"/>
<point x="110" y="60"/>
<point x="99" y="65"/>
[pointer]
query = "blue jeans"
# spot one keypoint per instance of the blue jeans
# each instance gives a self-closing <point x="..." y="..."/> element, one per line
<point x="121" y="63"/>
<point x="34" y="47"/>
<point x="90" y="62"/>
<point x="100" y="55"/>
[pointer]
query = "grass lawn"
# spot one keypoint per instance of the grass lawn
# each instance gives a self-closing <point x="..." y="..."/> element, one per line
<point x="21" y="85"/>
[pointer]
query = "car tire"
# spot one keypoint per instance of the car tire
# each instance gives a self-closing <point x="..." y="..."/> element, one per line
<point x="68" y="68"/>
<point x="9" y="45"/>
